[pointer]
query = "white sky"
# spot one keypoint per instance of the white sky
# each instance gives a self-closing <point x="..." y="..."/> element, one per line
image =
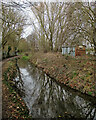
<point x="28" y="12"/>
<point x="28" y="30"/>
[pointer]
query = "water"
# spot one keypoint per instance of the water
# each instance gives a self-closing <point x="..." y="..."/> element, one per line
<point x="45" y="98"/>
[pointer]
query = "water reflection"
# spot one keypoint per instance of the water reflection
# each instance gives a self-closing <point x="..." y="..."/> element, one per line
<point x="45" y="98"/>
<point x="18" y="82"/>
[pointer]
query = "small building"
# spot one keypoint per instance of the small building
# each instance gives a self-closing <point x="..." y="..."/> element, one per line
<point x="74" y="50"/>
<point x="68" y="50"/>
<point x="80" y="50"/>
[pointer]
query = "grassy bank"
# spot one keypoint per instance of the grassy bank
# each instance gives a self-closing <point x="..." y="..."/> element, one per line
<point x="13" y="105"/>
<point x="77" y="73"/>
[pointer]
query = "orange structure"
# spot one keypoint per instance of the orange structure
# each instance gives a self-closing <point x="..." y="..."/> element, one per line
<point x="80" y="50"/>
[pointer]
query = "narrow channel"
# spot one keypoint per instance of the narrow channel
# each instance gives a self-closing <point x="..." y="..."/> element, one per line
<point x="45" y="98"/>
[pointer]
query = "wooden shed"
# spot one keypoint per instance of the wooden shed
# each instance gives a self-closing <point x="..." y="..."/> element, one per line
<point x="74" y="50"/>
<point x="80" y="50"/>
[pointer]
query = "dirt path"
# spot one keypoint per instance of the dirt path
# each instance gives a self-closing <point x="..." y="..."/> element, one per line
<point x="7" y="59"/>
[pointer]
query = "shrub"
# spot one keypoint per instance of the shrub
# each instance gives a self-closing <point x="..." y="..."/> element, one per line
<point x="25" y="57"/>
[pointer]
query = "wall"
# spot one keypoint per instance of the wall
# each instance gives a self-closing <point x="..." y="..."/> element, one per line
<point x="68" y="51"/>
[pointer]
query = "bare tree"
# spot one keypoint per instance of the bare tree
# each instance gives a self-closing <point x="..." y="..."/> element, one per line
<point x="12" y="23"/>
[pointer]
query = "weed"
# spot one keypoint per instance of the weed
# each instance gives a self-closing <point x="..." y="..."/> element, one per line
<point x="25" y="57"/>
<point x="90" y="93"/>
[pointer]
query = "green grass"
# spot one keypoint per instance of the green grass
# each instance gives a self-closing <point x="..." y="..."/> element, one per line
<point x="10" y="63"/>
<point x="90" y="93"/>
<point x="25" y="57"/>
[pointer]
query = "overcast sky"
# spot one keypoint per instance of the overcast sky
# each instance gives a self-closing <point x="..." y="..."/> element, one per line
<point x="29" y="15"/>
<point x="28" y="29"/>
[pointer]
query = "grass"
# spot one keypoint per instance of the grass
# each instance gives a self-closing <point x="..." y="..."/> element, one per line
<point x="90" y="93"/>
<point x="25" y="57"/>
<point x="68" y="70"/>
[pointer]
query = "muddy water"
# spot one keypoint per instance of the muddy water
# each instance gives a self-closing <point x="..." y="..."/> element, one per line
<point x="45" y="98"/>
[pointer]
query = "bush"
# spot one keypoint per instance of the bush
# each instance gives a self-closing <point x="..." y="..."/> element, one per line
<point x="25" y="57"/>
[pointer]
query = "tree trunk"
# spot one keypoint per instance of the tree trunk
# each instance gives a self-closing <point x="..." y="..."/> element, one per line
<point x="51" y="43"/>
<point x="95" y="43"/>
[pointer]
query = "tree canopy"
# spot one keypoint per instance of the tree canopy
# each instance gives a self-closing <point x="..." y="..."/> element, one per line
<point x="56" y="24"/>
